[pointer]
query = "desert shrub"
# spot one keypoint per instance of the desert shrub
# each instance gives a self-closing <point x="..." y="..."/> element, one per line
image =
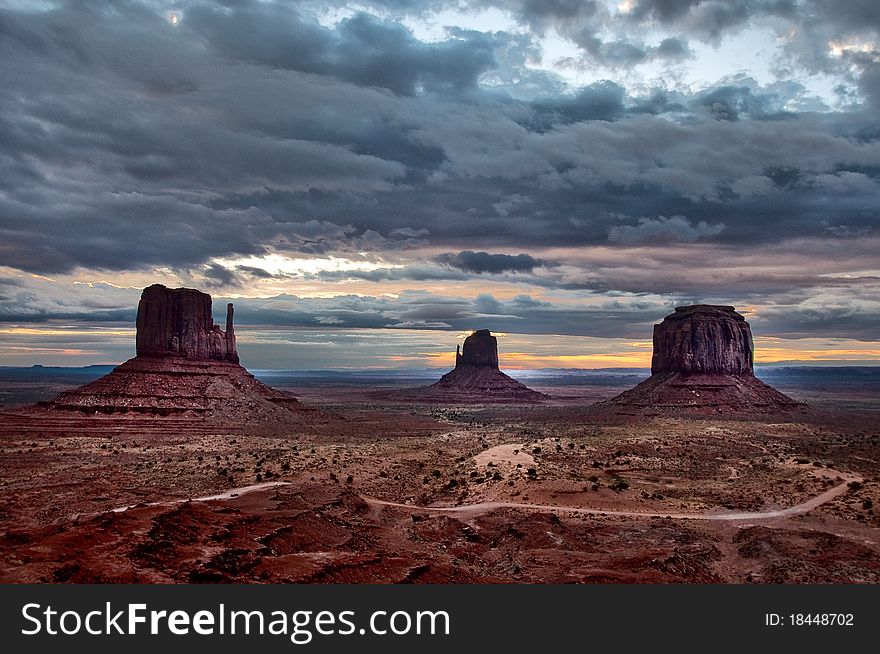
<point x="619" y="485"/>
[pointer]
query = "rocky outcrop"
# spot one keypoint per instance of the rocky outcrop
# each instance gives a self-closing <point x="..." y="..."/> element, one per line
<point x="177" y="322"/>
<point x="480" y="349"/>
<point x="702" y="364"/>
<point x="169" y="386"/>
<point x="703" y="338"/>
<point x="186" y="366"/>
<point x="476" y="377"/>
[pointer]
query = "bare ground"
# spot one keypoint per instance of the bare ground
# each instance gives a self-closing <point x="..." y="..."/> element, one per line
<point x="459" y="493"/>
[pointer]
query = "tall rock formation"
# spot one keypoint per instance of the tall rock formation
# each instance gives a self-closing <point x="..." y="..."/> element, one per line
<point x="702" y="363"/>
<point x="476" y="377"/>
<point x="480" y="349"/>
<point x="231" y="351"/>
<point x="177" y="322"/>
<point x="186" y="365"/>
<point x="703" y="338"/>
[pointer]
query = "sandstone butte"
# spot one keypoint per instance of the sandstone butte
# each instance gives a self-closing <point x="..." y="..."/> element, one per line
<point x="477" y="378"/>
<point x="703" y="363"/>
<point x="186" y="366"/>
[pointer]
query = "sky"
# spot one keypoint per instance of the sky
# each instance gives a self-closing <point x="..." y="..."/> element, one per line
<point x="368" y="182"/>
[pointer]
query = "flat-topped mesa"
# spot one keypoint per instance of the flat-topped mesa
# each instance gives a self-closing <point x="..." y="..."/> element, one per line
<point x="480" y="350"/>
<point x="178" y="322"/>
<point x="703" y="339"/>
<point x="703" y="364"/>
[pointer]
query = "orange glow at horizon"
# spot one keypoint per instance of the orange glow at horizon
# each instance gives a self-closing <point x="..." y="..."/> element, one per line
<point x="63" y="351"/>
<point x="412" y="348"/>
<point x="72" y="331"/>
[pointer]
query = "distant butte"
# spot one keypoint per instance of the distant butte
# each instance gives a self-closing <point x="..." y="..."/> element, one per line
<point x="186" y="366"/>
<point x="480" y="350"/>
<point x="476" y="377"/>
<point x="702" y="363"/>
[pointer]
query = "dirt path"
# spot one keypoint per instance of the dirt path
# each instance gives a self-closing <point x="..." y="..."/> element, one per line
<point x="226" y="495"/>
<point x="481" y="508"/>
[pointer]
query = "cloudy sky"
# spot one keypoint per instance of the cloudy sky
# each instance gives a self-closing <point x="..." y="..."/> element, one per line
<point x="369" y="181"/>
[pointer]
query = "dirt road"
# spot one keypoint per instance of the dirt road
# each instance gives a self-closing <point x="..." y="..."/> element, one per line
<point x="485" y="507"/>
<point x="481" y="508"/>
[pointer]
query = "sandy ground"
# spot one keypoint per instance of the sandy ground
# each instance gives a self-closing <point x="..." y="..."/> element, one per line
<point x="414" y="493"/>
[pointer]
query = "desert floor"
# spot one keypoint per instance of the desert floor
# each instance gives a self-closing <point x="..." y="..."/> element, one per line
<point x="369" y="490"/>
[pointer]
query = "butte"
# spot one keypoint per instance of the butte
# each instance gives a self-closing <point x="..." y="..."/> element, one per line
<point x="186" y="367"/>
<point x="476" y="377"/>
<point x="703" y="363"/>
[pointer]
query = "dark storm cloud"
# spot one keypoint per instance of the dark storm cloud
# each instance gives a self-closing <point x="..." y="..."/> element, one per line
<point x="10" y="314"/>
<point x="217" y="276"/>
<point x="253" y="271"/>
<point x="658" y="102"/>
<point x="598" y="101"/>
<point x="252" y="129"/>
<point x="712" y="16"/>
<point x="663" y="10"/>
<point x="484" y="262"/>
<point x="22" y="301"/>
<point x="869" y="83"/>
<point x="662" y="229"/>
<point x="673" y="49"/>
<point x="118" y="231"/>
<point x="542" y="14"/>
<point x="361" y="49"/>
<point x="350" y="311"/>
<point x="853" y="14"/>
<point x="731" y="102"/>
<point x="418" y="273"/>
<point x="96" y="156"/>
<point x="419" y="310"/>
<point x="794" y="314"/>
<point x="624" y="54"/>
<point x="710" y="19"/>
<point x="844" y="320"/>
<point x="806" y="27"/>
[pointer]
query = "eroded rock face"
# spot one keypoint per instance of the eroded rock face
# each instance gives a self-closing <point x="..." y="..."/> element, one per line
<point x="177" y="322"/>
<point x="476" y="377"/>
<point x="702" y="364"/>
<point x="480" y="349"/>
<point x="186" y="367"/>
<point x="703" y="339"/>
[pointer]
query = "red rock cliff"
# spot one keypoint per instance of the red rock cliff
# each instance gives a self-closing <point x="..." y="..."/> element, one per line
<point x="480" y="349"/>
<point x="703" y="339"/>
<point x="177" y="322"/>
